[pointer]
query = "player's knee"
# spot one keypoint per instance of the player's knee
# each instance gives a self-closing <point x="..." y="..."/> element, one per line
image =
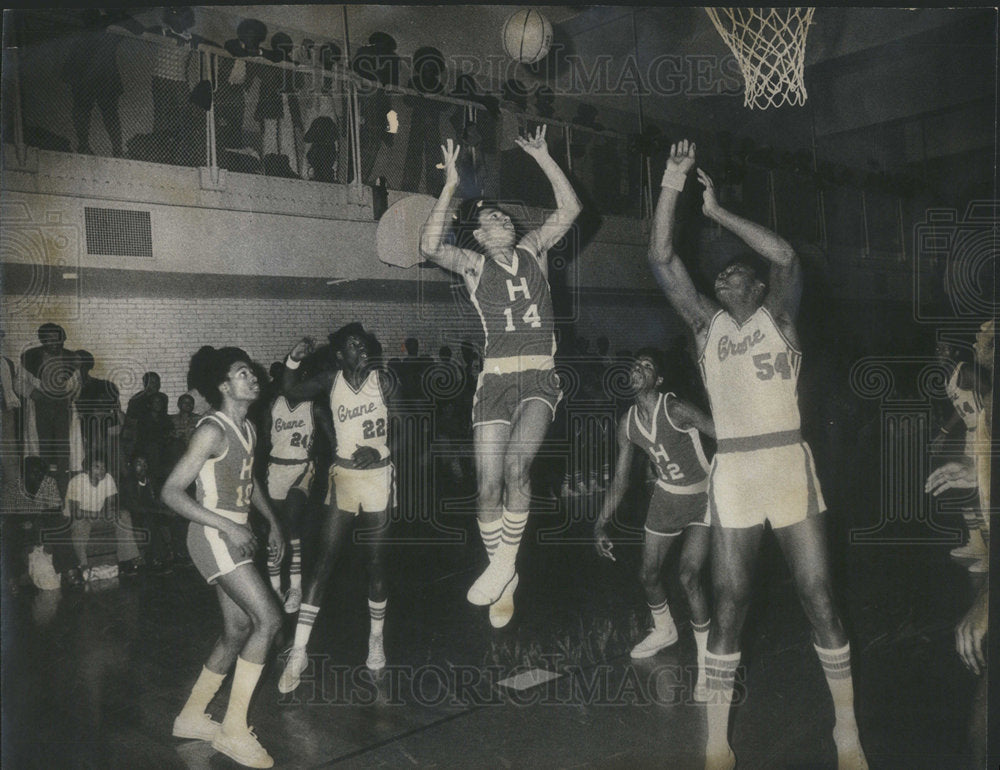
<point x="235" y="633"/>
<point x="516" y="473"/>
<point x="490" y="489"/>
<point x="649" y="575"/>
<point x="267" y="620"/>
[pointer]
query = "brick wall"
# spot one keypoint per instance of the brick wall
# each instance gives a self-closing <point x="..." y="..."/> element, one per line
<point x="130" y="336"/>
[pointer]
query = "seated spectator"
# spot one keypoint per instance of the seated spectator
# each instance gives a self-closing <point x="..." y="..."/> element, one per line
<point x="92" y="496"/>
<point x="141" y="498"/>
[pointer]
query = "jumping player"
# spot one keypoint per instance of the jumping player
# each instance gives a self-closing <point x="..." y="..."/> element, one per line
<point x="517" y="392"/>
<point x="667" y="430"/>
<point x="762" y="470"/>
<point x="290" y="472"/>
<point x="361" y="480"/>
<point x="222" y="545"/>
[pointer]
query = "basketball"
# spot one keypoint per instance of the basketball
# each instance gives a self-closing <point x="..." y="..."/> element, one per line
<point x="527" y="36"/>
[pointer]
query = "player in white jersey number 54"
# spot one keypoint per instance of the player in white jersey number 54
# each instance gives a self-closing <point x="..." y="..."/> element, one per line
<point x="763" y="470"/>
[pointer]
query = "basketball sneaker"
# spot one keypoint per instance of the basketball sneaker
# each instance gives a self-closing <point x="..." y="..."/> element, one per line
<point x="293" y="600"/>
<point x="502" y="610"/>
<point x="376" y="654"/>
<point x="491" y="584"/>
<point x="294" y="666"/>
<point x="198" y="727"/>
<point x="242" y="747"/>
<point x="655" y="641"/>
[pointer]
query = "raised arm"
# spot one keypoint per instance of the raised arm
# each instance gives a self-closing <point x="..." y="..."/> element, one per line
<point x="568" y="206"/>
<point x="670" y="273"/>
<point x="785" y="286"/>
<point x="686" y="415"/>
<point x="614" y="496"/>
<point x="432" y="237"/>
<point x="309" y="389"/>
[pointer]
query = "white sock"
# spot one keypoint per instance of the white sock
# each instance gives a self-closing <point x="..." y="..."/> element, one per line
<point x="295" y="565"/>
<point x="307" y="617"/>
<point x="376" y="611"/>
<point x="720" y="671"/>
<point x="512" y="529"/>
<point x="661" y="616"/>
<point x="204" y="690"/>
<point x="245" y="679"/>
<point x="489" y="531"/>
<point x="837" y="668"/>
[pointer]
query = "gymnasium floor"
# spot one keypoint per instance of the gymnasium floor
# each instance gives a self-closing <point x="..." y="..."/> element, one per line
<point x="94" y="679"/>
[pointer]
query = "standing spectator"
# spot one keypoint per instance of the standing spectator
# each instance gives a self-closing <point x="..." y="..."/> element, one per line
<point x="424" y="131"/>
<point x="377" y="63"/>
<point x="184" y="422"/>
<point x="91" y="71"/>
<point x="92" y="496"/>
<point x="48" y="386"/>
<point x="137" y="405"/>
<point x="99" y="410"/>
<point x="173" y="114"/>
<point x="10" y="412"/>
<point x="153" y="434"/>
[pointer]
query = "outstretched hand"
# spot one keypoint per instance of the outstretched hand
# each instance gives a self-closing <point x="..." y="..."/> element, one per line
<point x="681" y="158"/>
<point x="302" y="348"/>
<point x="535" y="144"/>
<point x="710" y="203"/>
<point x="449" y="153"/>
<point x="960" y="474"/>
<point x="971" y="632"/>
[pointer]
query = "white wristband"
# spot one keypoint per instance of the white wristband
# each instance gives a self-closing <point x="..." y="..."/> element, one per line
<point x="675" y="180"/>
<point x="291" y="364"/>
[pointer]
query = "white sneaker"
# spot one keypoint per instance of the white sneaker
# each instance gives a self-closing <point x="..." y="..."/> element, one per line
<point x="655" y="641"/>
<point x="968" y="551"/>
<point x="980" y="566"/>
<point x="721" y="761"/>
<point x="242" y="747"/>
<point x="376" y="654"/>
<point x="293" y="600"/>
<point x="294" y="666"/>
<point x="491" y="584"/>
<point x="198" y="727"/>
<point x="502" y="610"/>
<point x="850" y="755"/>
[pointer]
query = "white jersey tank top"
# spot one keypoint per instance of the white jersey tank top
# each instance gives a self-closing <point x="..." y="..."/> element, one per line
<point x="360" y="417"/>
<point x="751" y="373"/>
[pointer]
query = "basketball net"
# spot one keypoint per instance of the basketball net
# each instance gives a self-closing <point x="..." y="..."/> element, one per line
<point x="770" y="46"/>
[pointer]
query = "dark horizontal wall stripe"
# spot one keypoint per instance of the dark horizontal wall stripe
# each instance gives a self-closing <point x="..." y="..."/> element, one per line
<point x="108" y="282"/>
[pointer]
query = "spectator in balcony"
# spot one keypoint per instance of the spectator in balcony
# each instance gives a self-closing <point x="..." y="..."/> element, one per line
<point x="423" y="128"/>
<point x="91" y="71"/>
<point x="174" y="117"/>
<point x="378" y="63"/>
<point x="274" y="109"/>
<point x="321" y="108"/>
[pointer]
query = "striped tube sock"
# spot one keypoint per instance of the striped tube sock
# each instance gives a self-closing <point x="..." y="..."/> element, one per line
<point x="489" y="531"/>
<point x="295" y="565"/>
<point x="204" y="690"/>
<point x="662" y="618"/>
<point x="376" y="611"/>
<point x="307" y="617"/>
<point x="245" y="679"/>
<point x="720" y="673"/>
<point x="512" y="525"/>
<point x="274" y="573"/>
<point x="837" y="668"/>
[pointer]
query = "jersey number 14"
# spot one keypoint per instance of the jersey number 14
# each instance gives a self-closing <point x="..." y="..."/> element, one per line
<point x="531" y="318"/>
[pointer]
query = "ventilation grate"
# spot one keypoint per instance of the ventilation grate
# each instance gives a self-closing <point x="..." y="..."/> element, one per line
<point x="118" y="233"/>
